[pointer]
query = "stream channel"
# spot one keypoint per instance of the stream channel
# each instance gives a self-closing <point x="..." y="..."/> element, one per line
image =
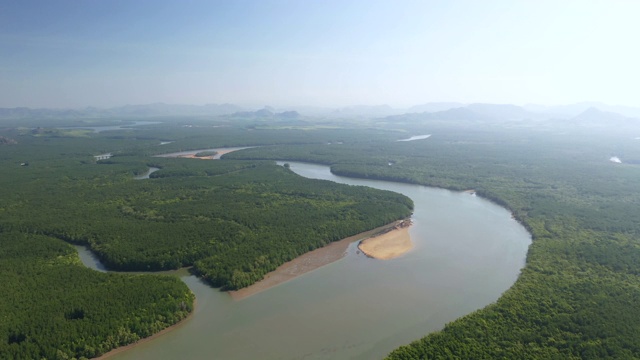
<point x="467" y="252"/>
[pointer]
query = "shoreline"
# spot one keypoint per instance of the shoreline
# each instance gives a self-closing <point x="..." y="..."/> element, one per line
<point x="193" y="156"/>
<point x="190" y="154"/>
<point x="313" y="260"/>
<point x="390" y="244"/>
<point x="166" y="330"/>
<point x="302" y="264"/>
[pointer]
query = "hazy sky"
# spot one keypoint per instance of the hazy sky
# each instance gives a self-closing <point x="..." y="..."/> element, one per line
<point x="312" y="52"/>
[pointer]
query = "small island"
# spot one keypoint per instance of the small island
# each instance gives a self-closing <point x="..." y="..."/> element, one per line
<point x="205" y="155"/>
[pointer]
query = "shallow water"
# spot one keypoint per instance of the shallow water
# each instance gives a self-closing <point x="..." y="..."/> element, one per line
<point x="467" y="252"/>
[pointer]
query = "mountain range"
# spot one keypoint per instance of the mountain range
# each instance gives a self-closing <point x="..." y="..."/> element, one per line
<point x="147" y="110"/>
<point x="579" y="113"/>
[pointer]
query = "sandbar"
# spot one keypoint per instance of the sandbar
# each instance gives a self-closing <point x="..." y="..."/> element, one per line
<point x="383" y="237"/>
<point x="193" y="156"/>
<point x="389" y="245"/>
<point x="317" y="258"/>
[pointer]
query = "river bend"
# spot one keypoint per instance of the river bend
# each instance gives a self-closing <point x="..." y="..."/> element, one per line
<point x="468" y="251"/>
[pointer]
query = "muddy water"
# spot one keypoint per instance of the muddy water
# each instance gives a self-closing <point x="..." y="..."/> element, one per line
<point x="467" y="252"/>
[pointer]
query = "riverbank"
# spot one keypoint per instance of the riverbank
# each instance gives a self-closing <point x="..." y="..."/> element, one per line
<point x="389" y="245"/>
<point x="302" y="264"/>
<point x="149" y="338"/>
<point x="472" y="248"/>
<point x="194" y="156"/>
<point x="191" y="154"/>
<point x="315" y="259"/>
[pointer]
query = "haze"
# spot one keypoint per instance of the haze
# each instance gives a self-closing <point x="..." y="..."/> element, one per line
<point x="321" y="53"/>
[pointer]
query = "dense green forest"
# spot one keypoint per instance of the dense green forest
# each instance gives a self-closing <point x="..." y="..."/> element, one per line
<point x="53" y="307"/>
<point x="577" y="296"/>
<point x="233" y="221"/>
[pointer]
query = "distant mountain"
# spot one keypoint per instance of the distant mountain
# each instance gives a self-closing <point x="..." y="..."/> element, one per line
<point x="289" y="115"/>
<point x="435" y="110"/>
<point x="267" y="113"/>
<point x="462" y="113"/>
<point x="365" y="111"/>
<point x="23" y="112"/>
<point x="457" y="114"/>
<point x="578" y="108"/>
<point x="434" y="107"/>
<point x="162" y="109"/>
<point x="474" y="112"/>
<point x="563" y="111"/>
<point x="504" y="112"/>
<point x="309" y="110"/>
<point x="262" y="113"/>
<point x="156" y="109"/>
<point x="595" y="117"/>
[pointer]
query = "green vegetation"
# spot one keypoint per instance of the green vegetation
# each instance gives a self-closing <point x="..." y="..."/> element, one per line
<point x="61" y="132"/>
<point x="53" y="307"/>
<point x="238" y="218"/>
<point x="577" y="296"/>
<point x="233" y="221"/>
<point x="241" y="219"/>
<point x="205" y="153"/>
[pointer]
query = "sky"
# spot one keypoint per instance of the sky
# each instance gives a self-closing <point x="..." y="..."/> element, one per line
<point x="79" y="53"/>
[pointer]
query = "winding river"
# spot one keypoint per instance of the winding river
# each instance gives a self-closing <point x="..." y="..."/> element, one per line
<point x="467" y="252"/>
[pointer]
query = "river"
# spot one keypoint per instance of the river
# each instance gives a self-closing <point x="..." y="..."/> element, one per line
<point x="418" y="137"/>
<point x="468" y="251"/>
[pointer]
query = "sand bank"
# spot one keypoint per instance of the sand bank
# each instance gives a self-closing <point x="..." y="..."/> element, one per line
<point x="223" y="151"/>
<point x="312" y="260"/>
<point x="193" y="156"/>
<point x="192" y="153"/>
<point x="390" y="244"/>
<point x="383" y="239"/>
<point x="216" y="156"/>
